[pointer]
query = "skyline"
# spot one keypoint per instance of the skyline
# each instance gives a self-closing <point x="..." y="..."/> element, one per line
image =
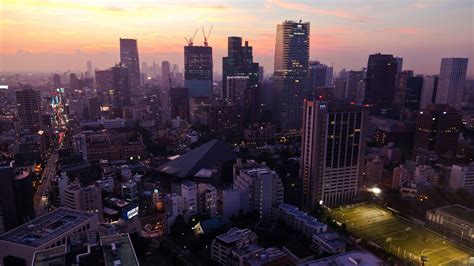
<point x="91" y="31"/>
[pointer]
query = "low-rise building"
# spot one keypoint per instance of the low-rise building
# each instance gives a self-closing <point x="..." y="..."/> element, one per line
<point x="298" y="220"/>
<point x="222" y="245"/>
<point x="462" y="176"/>
<point x="455" y="219"/>
<point x="53" y="229"/>
<point x="328" y="243"/>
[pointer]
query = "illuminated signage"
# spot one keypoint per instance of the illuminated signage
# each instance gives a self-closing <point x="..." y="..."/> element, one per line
<point x="132" y="213"/>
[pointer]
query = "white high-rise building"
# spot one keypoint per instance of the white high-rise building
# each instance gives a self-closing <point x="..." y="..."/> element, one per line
<point x="189" y="193"/>
<point x="333" y="144"/>
<point x="452" y="79"/>
<point x="88" y="199"/>
<point x="228" y="202"/>
<point x="260" y="187"/>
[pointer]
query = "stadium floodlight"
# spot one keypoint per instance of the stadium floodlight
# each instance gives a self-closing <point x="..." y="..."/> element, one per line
<point x="376" y="190"/>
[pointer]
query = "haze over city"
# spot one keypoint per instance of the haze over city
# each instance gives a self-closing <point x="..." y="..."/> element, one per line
<point x="47" y="36"/>
<point x="244" y="133"/>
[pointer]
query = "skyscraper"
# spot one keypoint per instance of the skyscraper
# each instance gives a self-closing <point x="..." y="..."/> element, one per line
<point x="239" y="62"/>
<point x="437" y="128"/>
<point x="121" y="86"/>
<point x="28" y="102"/>
<point x="104" y="80"/>
<point x="56" y="81"/>
<point x="380" y="83"/>
<point x="333" y="144"/>
<point x="198" y="69"/>
<point x="400" y="89"/>
<point x="129" y="58"/>
<point x="411" y="101"/>
<point x="90" y="72"/>
<point x="452" y="78"/>
<point x="320" y="75"/>
<point x="353" y="80"/>
<point x="165" y="74"/>
<point x="428" y="91"/>
<point x="291" y="75"/>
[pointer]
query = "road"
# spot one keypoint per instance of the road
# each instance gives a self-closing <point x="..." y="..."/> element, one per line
<point x="40" y="203"/>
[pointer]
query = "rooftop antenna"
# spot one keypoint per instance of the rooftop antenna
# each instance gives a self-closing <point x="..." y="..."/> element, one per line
<point x="206" y="37"/>
<point x="190" y="41"/>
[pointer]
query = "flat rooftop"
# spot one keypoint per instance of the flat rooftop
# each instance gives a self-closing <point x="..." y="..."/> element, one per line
<point x="47" y="227"/>
<point x="118" y="248"/>
<point x="459" y="211"/>
<point x="362" y="258"/>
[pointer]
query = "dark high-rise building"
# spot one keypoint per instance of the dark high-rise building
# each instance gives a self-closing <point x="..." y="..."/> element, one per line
<point x="198" y="69"/>
<point x="90" y="72"/>
<point x="353" y="81"/>
<point x="129" y="58"/>
<point x="56" y="81"/>
<point x="28" y="102"/>
<point x="8" y="211"/>
<point x="104" y="80"/>
<point x="239" y="62"/>
<point x="411" y="102"/>
<point x="380" y="83"/>
<point x="121" y="86"/>
<point x="179" y="103"/>
<point x="333" y="146"/>
<point x="74" y="82"/>
<point x="320" y="75"/>
<point x="261" y="74"/>
<point x="437" y="128"/>
<point x="400" y="89"/>
<point x="291" y="76"/>
<point x="165" y="74"/>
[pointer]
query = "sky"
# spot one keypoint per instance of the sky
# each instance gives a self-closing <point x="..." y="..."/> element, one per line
<point x="57" y="35"/>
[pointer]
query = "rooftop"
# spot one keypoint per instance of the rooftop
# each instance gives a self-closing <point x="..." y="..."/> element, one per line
<point x="47" y="227"/>
<point x="332" y="239"/>
<point x="207" y="156"/>
<point x="360" y="258"/>
<point x="118" y="249"/>
<point x="235" y="234"/>
<point x="459" y="212"/>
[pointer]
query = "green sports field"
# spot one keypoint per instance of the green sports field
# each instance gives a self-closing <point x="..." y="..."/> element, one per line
<point x="400" y="237"/>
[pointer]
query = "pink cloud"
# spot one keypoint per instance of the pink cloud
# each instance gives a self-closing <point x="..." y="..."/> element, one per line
<point x="405" y="30"/>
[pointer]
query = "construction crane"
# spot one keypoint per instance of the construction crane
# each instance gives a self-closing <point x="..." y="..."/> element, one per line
<point x="191" y="40"/>
<point x="206" y="37"/>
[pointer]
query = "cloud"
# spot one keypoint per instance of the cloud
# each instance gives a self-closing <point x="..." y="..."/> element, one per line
<point x="405" y="30"/>
<point x="310" y="9"/>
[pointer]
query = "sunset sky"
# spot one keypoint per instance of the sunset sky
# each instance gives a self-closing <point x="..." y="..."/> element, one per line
<point x="56" y="35"/>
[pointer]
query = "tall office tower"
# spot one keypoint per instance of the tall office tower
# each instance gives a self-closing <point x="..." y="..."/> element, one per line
<point x="74" y="82"/>
<point x="56" y="81"/>
<point x="121" y="86"/>
<point x="239" y="62"/>
<point x="28" y="102"/>
<point x="129" y="58"/>
<point x="291" y="75"/>
<point x="399" y="64"/>
<point x="353" y="81"/>
<point x="198" y="69"/>
<point x="333" y="146"/>
<point x="236" y="87"/>
<point x="452" y="78"/>
<point x="400" y="89"/>
<point x="104" y="80"/>
<point x="320" y="75"/>
<point x="261" y="74"/>
<point x="428" y="91"/>
<point x="380" y="83"/>
<point x="411" y="103"/>
<point x="340" y="88"/>
<point x="437" y="128"/>
<point x="179" y="102"/>
<point x="165" y="74"/>
<point x="90" y="72"/>
<point x="244" y="97"/>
